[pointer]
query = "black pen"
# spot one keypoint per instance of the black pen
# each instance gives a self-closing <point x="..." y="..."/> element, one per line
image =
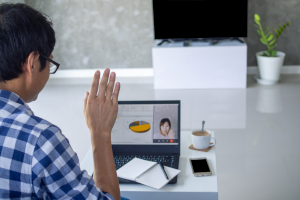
<point x="162" y="168"/>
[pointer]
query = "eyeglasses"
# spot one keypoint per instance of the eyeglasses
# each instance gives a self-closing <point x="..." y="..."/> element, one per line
<point x="53" y="65"/>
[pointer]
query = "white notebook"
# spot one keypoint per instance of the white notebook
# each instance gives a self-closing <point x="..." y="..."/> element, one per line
<point x="146" y="172"/>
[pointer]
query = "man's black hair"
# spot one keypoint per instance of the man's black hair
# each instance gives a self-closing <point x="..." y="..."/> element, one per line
<point x="22" y="30"/>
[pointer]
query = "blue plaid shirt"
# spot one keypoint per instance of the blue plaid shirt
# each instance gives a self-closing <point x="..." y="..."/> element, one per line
<point x="36" y="159"/>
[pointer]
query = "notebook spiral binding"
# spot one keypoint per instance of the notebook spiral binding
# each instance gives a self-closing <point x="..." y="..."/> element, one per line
<point x="146" y="171"/>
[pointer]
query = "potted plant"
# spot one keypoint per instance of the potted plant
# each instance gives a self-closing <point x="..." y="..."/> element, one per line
<point x="270" y="61"/>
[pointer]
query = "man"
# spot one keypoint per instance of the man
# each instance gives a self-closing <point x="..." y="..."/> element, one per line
<point x="36" y="160"/>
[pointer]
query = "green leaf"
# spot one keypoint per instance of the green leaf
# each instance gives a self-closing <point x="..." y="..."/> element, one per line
<point x="280" y="28"/>
<point x="279" y="33"/>
<point x="275" y="30"/>
<point x="272" y="42"/>
<point x="263" y="41"/>
<point x="284" y="26"/>
<point x="270" y="37"/>
<point x="269" y="52"/>
<point x="256" y="17"/>
<point x="264" y="54"/>
<point x="288" y="23"/>
<point x="273" y="54"/>
<point x="257" y="22"/>
<point x="268" y="34"/>
<point x="266" y="29"/>
<point x="273" y="47"/>
<point x="259" y="32"/>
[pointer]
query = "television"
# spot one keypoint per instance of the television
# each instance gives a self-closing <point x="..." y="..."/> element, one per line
<point x="189" y="19"/>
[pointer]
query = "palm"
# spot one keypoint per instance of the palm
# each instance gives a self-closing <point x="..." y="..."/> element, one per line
<point x="171" y="134"/>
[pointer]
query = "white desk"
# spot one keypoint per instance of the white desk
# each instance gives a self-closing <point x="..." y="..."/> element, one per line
<point x="188" y="186"/>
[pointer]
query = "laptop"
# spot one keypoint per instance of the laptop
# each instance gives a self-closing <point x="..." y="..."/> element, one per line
<point x="149" y="130"/>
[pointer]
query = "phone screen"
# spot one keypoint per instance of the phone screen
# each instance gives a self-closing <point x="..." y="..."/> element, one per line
<point x="200" y="166"/>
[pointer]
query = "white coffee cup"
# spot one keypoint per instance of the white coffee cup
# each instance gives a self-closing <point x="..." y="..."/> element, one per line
<point x="202" y="142"/>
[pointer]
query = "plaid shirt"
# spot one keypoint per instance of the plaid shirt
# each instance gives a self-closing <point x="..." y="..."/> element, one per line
<point x="36" y="159"/>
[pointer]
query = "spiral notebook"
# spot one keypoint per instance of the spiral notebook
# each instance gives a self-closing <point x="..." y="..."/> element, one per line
<point x="146" y="172"/>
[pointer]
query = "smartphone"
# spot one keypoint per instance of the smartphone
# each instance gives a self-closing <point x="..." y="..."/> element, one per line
<point x="200" y="167"/>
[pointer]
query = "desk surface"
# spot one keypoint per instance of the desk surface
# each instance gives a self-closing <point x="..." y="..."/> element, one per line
<point x="186" y="182"/>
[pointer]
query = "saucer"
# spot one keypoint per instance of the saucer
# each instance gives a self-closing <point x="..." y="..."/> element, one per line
<point x="205" y="150"/>
<point x="264" y="82"/>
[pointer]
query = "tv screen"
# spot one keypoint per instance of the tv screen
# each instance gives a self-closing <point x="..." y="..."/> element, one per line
<point x="183" y="19"/>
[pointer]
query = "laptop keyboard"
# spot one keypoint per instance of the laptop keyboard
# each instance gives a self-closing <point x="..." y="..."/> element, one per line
<point x="167" y="160"/>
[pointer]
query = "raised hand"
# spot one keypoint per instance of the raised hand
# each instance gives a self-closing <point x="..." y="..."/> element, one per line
<point x="100" y="111"/>
<point x="171" y="134"/>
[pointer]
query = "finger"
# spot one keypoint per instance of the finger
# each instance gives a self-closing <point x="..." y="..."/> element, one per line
<point x="110" y="86"/>
<point x="116" y="93"/>
<point x="85" y="101"/>
<point x="103" y="84"/>
<point x="95" y="84"/>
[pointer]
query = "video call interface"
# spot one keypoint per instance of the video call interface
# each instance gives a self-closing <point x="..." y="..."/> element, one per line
<point x="146" y="124"/>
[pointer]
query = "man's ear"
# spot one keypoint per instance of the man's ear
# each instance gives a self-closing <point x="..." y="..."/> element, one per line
<point x="31" y="63"/>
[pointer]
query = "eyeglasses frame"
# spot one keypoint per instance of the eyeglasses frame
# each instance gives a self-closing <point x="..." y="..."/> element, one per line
<point x="52" y="61"/>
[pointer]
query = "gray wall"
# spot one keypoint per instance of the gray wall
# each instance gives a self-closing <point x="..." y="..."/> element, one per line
<point x="100" y="33"/>
<point x="119" y="33"/>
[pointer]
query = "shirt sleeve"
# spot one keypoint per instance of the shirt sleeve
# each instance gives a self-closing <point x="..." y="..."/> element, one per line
<point x="56" y="173"/>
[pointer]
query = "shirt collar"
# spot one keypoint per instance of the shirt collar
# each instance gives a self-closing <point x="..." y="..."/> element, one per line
<point x="13" y="97"/>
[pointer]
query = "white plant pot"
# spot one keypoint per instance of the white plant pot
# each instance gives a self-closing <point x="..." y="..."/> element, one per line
<point x="270" y="67"/>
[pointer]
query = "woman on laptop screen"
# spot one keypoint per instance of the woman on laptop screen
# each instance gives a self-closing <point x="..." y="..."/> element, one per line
<point x="165" y="130"/>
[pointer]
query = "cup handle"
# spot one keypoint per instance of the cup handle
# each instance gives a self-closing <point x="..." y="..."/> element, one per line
<point x="215" y="141"/>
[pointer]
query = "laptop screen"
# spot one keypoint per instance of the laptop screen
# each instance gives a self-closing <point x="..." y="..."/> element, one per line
<point x="146" y="124"/>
